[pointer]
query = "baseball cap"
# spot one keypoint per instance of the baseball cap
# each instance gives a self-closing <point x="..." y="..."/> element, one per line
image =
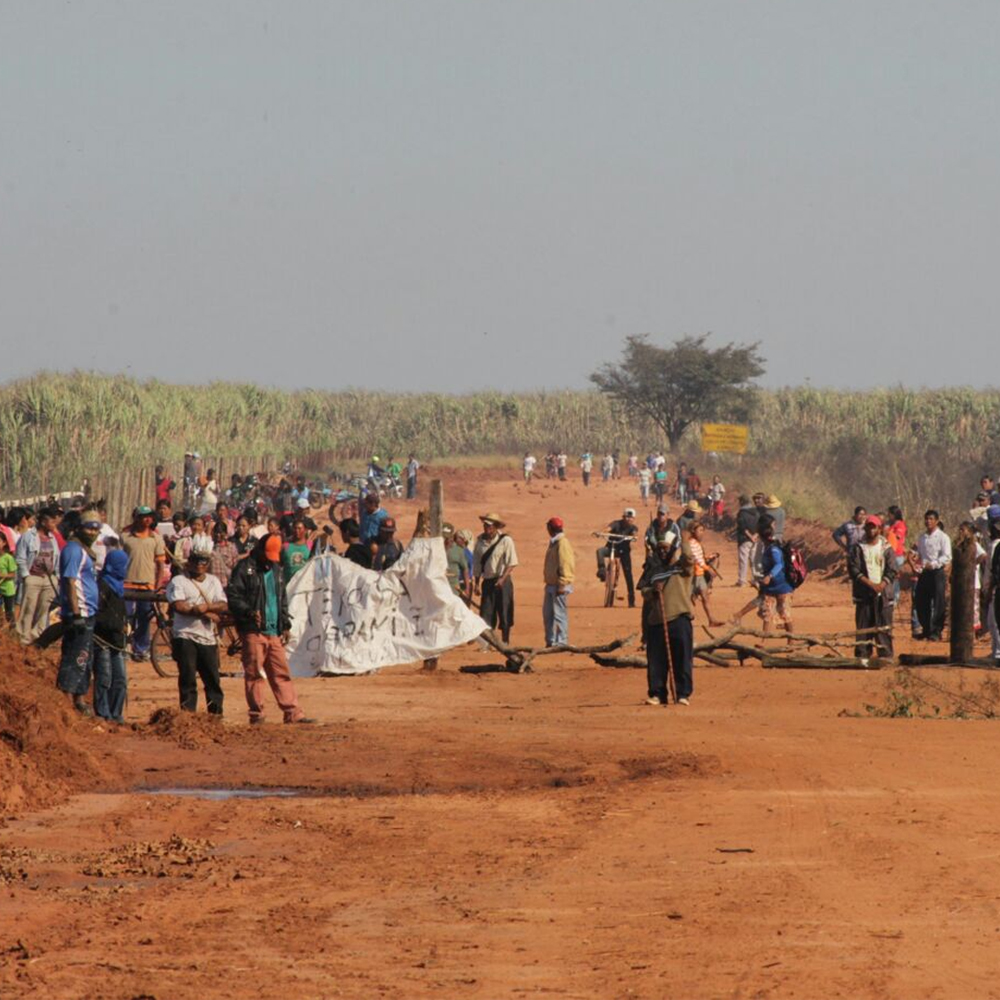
<point x="142" y="510"/>
<point x="874" y="519"/>
<point x="90" y="520"/>
<point x="555" y="522"/>
<point x="629" y="512"/>
<point x="303" y="503"/>
<point x="389" y="524"/>
<point x="663" y="509"/>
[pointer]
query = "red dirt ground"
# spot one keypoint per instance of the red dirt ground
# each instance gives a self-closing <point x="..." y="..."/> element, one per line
<point x="495" y="835"/>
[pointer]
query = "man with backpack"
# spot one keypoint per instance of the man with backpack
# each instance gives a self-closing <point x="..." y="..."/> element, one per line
<point x="871" y="564"/>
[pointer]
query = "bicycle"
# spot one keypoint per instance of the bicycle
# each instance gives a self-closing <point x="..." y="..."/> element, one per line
<point x="161" y="650"/>
<point x="612" y="565"/>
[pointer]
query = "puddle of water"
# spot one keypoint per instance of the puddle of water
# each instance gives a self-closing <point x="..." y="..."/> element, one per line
<point x="221" y="794"/>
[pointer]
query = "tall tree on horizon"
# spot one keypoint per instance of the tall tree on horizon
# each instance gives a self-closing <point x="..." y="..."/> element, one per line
<point x="683" y="384"/>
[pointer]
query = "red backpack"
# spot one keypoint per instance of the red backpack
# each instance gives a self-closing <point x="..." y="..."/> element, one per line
<point x="796" y="570"/>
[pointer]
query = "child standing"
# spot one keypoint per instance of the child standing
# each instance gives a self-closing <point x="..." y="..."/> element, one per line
<point x="8" y="579"/>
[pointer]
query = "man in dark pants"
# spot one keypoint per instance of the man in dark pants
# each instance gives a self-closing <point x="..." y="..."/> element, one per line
<point x="666" y="589"/>
<point x="197" y="599"/>
<point x="934" y="553"/>
<point x="871" y="564"/>
<point x="619" y="544"/>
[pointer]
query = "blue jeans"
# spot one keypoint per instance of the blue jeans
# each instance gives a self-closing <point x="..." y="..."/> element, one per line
<point x="411" y="487"/>
<point x="555" y="614"/>
<point x="110" y="683"/>
<point x="140" y="614"/>
<point x="77" y="654"/>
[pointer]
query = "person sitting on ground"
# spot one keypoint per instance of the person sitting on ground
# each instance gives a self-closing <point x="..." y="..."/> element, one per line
<point x="702" y="570"/>
<point x="387" y="550"/>
<point x="871" y="565"/>
<point x="851" y="531"/>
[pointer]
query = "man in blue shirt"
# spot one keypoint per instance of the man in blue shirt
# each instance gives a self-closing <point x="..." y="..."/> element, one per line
<point x="78" y="596"/>
<point x="373" y="514"/>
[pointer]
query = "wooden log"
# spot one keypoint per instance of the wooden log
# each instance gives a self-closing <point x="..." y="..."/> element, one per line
<point x="824" y="663"/>
<point x="963" y="598"/>
<point x="436" y="511"/>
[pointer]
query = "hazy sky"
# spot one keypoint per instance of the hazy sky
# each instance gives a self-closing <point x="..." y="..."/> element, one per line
<point x="452" y="196"/>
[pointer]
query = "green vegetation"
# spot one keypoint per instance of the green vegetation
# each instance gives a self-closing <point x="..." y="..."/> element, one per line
<point x="822" y="451"/>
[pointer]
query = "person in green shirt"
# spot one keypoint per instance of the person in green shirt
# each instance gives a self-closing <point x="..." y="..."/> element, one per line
<point x="458" y="565"/>
<point x="395" y="469"/>
<point x="295" y="554"/>
<point x="8" y="579"/>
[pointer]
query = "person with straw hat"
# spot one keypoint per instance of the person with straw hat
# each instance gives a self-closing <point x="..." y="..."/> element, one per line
<point x="494" y="559"/>
<point x="777" y="514"/>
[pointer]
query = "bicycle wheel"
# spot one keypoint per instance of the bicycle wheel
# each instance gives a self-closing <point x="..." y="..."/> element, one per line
<point x="161" y="653"/>
<point x="610" y="582"/>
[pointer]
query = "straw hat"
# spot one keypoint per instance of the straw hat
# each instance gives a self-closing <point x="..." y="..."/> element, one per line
<point x="772" y="502"/>
<point x="693" y="506"/>
<point x="492" y="519"/>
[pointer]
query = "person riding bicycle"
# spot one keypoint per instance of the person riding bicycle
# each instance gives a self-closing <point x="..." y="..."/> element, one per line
<point x="619" y="546"/>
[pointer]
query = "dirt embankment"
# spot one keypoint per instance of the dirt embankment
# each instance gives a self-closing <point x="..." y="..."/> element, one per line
<point x="46" y="750"/>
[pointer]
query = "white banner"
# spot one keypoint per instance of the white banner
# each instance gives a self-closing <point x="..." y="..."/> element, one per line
<point x="350" y="620"/>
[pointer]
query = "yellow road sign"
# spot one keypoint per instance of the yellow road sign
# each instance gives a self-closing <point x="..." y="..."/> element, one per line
<point x="725" y="437"/>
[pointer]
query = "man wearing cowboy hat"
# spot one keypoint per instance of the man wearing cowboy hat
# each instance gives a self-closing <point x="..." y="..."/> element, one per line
<point x="494" y="559"/>
<point x="690" y="514"/>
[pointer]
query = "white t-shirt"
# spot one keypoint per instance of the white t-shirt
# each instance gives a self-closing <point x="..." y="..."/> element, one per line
<point x="586" y="463"/>
<point x="529" y="463"/>
<point x="644" y="477"/>
<point x="210" y="494"/>
<point x="100" y="546"/>
<point x="183" y="588"/>
<point x="716" y="492"/>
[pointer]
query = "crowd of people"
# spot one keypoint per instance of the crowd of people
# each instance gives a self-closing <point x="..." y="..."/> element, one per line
<point x="227" y="555"/>
<point x="220" y="555"/>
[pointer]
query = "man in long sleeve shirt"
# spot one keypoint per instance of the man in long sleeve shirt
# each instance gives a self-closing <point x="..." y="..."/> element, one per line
<point x="559" y="571"/>
<point x="934" y="552"/>
<point x="851" y="532"/>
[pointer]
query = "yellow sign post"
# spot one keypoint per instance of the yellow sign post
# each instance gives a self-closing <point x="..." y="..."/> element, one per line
<point x="725" y="437"/>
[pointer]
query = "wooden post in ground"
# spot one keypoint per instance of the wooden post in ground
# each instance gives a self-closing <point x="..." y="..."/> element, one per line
<point x="963" y="598"/>
<point x="436" y="519"/>
<point x="436" y="508"/>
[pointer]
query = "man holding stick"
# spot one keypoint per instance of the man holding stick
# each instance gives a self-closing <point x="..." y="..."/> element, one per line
<point x="667" y="614"/>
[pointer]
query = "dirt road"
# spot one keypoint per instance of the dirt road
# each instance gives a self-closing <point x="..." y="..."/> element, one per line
<point x="456" y="835"/>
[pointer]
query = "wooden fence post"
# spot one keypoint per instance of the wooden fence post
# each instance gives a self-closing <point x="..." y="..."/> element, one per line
<point x="963" y="599"/>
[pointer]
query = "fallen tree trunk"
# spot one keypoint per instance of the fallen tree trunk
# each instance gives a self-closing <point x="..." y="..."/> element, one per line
<point x="519" y="658"/>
